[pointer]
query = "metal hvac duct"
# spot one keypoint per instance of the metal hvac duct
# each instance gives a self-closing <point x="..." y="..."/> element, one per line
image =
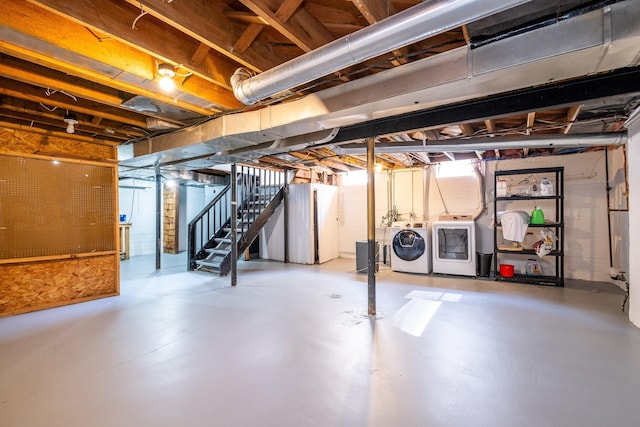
<point x="486" y="143"/>
<point x="419" y="22"/>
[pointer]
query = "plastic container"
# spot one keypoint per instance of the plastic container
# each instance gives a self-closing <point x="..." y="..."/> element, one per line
<point x="546" y="187"/>
<point x="537" y="216"/>
<point x="533" y="268"/>
<point x="506" y="270"/>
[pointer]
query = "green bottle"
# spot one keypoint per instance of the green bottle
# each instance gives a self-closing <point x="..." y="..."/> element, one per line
<point x="537" y="216"/>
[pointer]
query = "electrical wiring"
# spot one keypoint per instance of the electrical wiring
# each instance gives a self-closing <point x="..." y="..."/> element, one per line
<point x="135" y="21"/>
<point x="50" y="92"/>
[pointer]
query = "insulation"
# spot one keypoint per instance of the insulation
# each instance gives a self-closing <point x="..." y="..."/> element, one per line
<point x="32" y="143"/>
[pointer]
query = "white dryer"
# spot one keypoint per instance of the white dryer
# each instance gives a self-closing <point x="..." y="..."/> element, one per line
<point x="454" y="247"/>
<point x="411" y="247"/>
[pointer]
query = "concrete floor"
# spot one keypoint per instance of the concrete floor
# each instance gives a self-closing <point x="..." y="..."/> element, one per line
<point x="292" y="346"/>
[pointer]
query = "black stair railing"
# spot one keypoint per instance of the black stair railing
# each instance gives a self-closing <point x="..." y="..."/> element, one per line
<point x="208" y="224"/>
<point x="259" y="192"/>
<point x="256" y="189"/>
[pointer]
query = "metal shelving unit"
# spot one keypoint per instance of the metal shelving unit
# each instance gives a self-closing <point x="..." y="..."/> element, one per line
<point x="554" y="222"/>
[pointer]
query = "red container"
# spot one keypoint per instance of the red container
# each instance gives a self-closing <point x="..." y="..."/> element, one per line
<point x="506" y="270"/>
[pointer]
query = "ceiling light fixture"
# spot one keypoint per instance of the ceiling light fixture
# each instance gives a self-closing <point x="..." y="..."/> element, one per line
<point x="71" y="120"/>
<point x="166" y="72"/>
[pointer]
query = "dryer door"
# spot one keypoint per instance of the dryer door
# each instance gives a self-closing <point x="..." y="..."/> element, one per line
<point x="408" y="245"/>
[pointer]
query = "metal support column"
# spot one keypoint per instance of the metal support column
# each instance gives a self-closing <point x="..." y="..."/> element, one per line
<point x="234" y="226"/>
<point x="371" y="227"/>
<point x="158" y="219"/>
<point x="285" y="206"/>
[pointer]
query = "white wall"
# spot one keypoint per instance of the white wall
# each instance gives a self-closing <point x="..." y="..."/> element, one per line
<point x="586" y="234"/>
<point x="402" y="191"/>
<point x="137" y="200"/>
<point x="634" y="207"/>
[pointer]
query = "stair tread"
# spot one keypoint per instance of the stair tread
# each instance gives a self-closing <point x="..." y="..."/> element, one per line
<point x="218" y="251"/>
<point x="208" y="264"/>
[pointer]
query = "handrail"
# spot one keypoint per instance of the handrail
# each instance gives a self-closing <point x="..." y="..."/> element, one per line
<point x="208" y="224"/>
<point x="257" y="189"/>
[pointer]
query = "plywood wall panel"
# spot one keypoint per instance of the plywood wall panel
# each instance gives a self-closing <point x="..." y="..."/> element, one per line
<point x="37" y="285"/>
<point x="31" y="143"/>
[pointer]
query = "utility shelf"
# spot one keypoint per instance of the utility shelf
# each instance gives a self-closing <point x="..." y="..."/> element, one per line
<point x="526" y="252"/>
<point x="532" y="280"/>
<point x="554" y="216"/>
<point x="515" y="197"/>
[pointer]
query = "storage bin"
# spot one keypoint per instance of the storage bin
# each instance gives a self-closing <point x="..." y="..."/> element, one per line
<point x="506" y="270"/>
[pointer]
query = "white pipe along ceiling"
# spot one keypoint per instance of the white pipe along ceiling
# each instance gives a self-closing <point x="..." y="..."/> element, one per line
<point x="580" y="46"/>
<point x="419" y="22"/>
<point x="498" y="142"/>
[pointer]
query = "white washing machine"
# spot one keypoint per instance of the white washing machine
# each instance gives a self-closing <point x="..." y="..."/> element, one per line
<point x="411" y="247"/>
<point x="454" y="247"/>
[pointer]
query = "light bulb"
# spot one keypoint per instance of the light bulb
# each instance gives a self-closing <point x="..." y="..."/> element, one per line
<point x="166" y="83"/>
<point x="71" y="120"/>
<point x="166" y="72"/>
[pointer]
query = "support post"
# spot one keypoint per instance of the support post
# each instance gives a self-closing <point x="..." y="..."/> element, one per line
<point x="371" y="230"/>
<point x="286" y="215"/>
<point x="234" y="226"/>
<point x="158" y="218"/>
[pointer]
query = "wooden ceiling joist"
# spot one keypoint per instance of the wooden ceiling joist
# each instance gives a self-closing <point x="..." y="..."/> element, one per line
<point x="60" y="100"/>
<point x="294" y="22"/>
<point x="53" y="30"/>
<point x="197" y="20"/>
<point x="572" y="115"/>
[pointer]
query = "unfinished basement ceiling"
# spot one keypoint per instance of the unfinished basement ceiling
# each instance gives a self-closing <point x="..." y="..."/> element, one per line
<point x="98" y="60"/>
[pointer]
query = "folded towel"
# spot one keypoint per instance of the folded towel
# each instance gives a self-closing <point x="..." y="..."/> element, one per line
<point x="514" y="225"/>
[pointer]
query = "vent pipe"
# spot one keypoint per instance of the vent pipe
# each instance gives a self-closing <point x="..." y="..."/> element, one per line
<point x="419" y="22"/>
<point x="496" y="143"/>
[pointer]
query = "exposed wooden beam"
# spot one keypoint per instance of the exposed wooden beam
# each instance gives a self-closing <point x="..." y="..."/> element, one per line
<point x="354" y="161"/>
<point x="39" y="76"/>
<point x="96" y="123"/>
<point x="150" y="36"/>
<point x="59" y="100"/>
<point x="225" y="97"/>
<point x="200" y="54"/>
<point x="491" y="126"/>
<point x="249" y="18"/>
<point x="293" y="22"/>
<point x="465" y="33"/>
<point x="248" y="37"/>
<point x="572" y="115"/>
<point x="531" y="120"/>
<point x="466" y="129"/>
<point x="55" y="33"/>
<point x="56" y="121"/>
<point x="60" y="134"/>
<point x="201" y="21"/>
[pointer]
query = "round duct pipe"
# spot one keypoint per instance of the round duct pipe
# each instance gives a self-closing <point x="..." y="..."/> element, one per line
<point x="424" y="20"/>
